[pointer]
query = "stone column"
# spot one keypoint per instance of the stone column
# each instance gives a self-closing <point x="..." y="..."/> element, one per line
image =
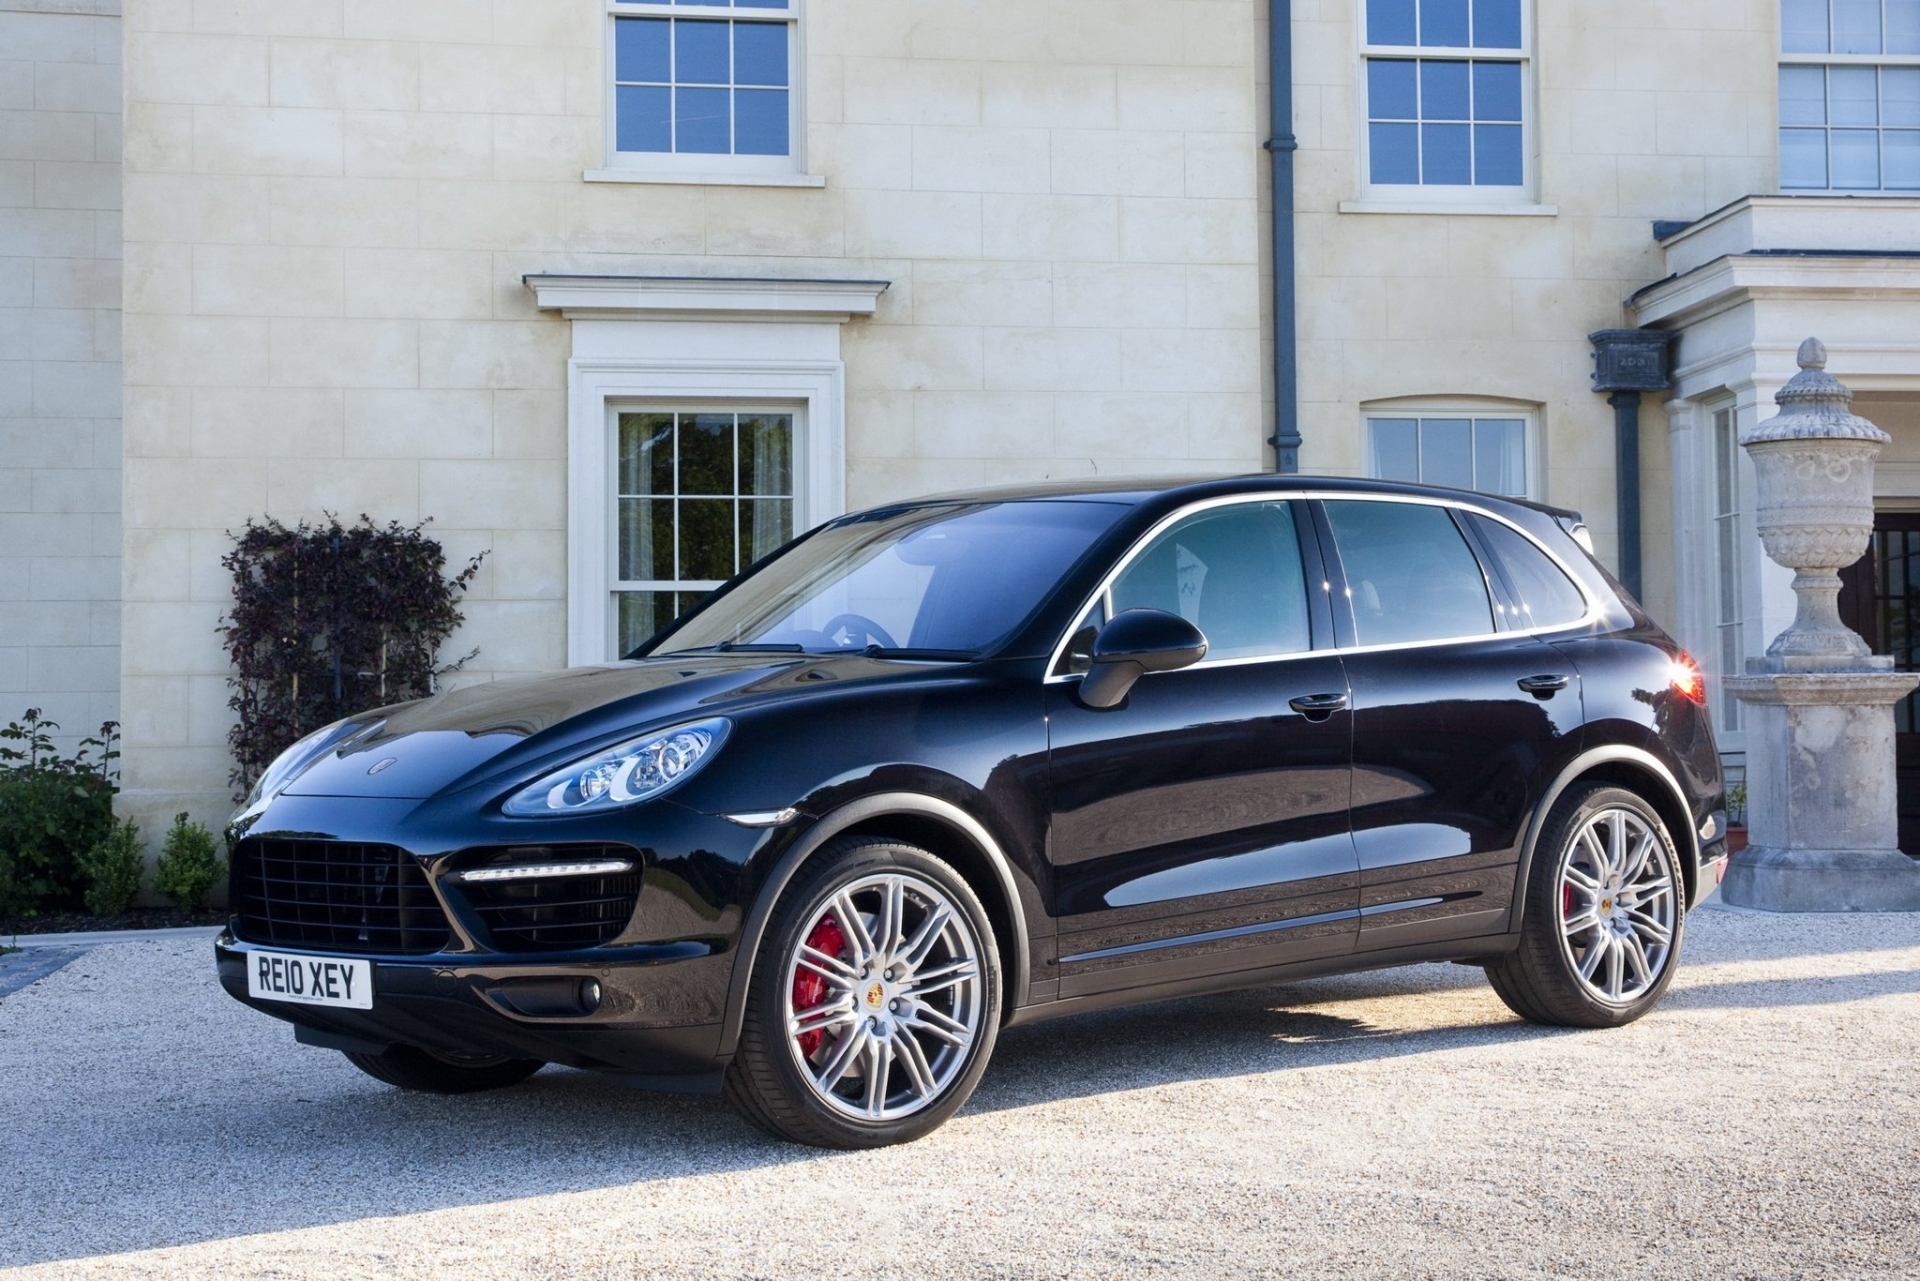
<point x="1820" y="780"/>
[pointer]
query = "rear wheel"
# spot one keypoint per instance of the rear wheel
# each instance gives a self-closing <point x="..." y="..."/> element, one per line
<point x="874" y="1001"/>
<point x="412" y="1068"/>
<point x="1603" y="918"/>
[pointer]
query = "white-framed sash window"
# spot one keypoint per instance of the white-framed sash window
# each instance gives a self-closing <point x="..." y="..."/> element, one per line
<point x="1486" y="449"/>
<point x="1850" y="95"/>
<point x="700" y="492"/>
<point x="706" y="424"/>
<point x="704" y="89"/>
<point x="1446" y="93"/>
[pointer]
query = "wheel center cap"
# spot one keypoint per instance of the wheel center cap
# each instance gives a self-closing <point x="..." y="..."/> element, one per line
<point x="1606" y="904"/>
<point x="876" y="995"/>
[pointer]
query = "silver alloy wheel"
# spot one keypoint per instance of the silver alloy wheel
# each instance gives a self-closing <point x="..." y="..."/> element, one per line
<point x="883" y="1025"/>
<point x="1618" y="906"/>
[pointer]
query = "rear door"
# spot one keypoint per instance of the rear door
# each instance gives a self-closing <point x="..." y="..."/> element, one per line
<point x="1460" y="718"/>
<point x="1201" y="826"/>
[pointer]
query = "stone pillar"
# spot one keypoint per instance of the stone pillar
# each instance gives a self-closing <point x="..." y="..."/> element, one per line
<point x="1820" y="780"/>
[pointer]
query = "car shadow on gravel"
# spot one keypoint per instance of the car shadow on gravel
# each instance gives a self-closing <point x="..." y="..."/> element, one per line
<point x="1274" y="1029"/>
<point x="1788" y="992"/>
<point x="277" y="1137"/>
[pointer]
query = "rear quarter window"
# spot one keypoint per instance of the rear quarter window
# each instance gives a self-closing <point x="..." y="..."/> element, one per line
<point x="1545" y="596"/>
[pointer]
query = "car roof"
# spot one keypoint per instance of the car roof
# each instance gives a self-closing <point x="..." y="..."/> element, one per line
<point x="1133" y="490"/>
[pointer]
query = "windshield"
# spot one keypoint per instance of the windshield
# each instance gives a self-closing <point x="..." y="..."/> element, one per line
<point x="949" y="581"/>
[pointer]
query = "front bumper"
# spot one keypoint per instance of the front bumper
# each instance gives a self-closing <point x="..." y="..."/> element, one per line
<point x="664" y="977"/>
<point x="654" y="1018"/>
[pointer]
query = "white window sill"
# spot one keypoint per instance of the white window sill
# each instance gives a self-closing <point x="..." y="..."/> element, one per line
<point x="707" y="179"/>
<point x="1405" y="207"/>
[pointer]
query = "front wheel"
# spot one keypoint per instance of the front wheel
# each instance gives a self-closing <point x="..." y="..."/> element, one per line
<point x="874" y="1001"/>
<point x="412" y="1068"/>
<point x="1603" y="915"/>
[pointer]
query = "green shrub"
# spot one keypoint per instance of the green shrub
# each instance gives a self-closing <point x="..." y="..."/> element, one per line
<point x="53" y="809"/>
<point x="329" y="620"/>
<point x="188" y="866"/>
<point x="113" y="869"/>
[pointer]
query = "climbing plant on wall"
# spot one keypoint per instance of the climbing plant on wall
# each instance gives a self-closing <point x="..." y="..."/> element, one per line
<point x="329" y="620"/>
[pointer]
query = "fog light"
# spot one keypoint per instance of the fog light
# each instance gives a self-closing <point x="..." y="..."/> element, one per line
<point x="590" y="995"/>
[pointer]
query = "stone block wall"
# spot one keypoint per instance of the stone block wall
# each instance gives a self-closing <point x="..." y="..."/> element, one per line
<point x="60" y="361"/>
<point x="331" y="206"/>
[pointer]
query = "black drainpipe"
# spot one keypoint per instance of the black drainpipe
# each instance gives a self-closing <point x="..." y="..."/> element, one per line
<point x="1281" y="144"/>
<point x="1627" y="362"/>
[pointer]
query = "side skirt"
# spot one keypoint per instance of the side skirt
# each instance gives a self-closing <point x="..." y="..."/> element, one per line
<point x="1472" y="950"/>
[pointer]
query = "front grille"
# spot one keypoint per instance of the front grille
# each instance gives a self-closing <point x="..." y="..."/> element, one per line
<point x="550" y="914"/>
<point x="340" y="896"/>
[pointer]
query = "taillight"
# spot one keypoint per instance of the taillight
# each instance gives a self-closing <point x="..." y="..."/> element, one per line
<point x="1687" y="680"/>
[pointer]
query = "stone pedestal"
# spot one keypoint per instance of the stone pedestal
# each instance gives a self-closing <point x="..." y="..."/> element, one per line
<point x="1821" y="832"/>
<point x="1820" y="789"/>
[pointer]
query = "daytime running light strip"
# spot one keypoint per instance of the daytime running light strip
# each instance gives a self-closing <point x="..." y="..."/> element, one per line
<point x="526" y="872"/>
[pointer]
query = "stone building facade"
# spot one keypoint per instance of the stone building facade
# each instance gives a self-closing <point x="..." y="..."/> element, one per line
<point x="60" y="444"/>
<point x="476" y="260"/>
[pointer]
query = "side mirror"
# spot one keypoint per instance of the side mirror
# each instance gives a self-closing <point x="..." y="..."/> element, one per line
<point x="1136" y="642"/>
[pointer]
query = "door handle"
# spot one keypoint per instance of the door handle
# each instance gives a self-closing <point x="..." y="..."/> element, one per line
<point x="1317" y="706"/>
<point x="1544" y="686"/>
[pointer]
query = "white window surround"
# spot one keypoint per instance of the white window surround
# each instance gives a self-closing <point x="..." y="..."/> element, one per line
<point x="684" y="340"/>
<point x="1474" y="407"/>
<point x="716" y="169"/>
<point x="1398" y="198"/>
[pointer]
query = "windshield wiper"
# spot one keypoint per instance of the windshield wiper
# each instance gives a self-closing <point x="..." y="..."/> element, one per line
<point x="742" y="647"/>
<point x="902" y="651"/>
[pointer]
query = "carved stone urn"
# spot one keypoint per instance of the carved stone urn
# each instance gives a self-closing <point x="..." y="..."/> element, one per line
<point x="1814" y="463"/>
<point x="1822" y="831"/>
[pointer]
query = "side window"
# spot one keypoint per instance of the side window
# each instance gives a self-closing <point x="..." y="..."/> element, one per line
<point x="1234" y="572"/>
<point x="1548" y="597"/>
<point x="1410" y="573"/>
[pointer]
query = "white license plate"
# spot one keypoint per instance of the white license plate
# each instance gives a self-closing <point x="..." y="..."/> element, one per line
<point x="310" y="980"/>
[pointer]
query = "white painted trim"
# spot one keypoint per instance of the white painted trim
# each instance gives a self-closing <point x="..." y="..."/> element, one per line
<point x="1730" y="281"/>
<point x="709" y="298"/>
<point x="1465" y="209"/>
<point x="594" y="383"/>
<point x="705" y="179"/>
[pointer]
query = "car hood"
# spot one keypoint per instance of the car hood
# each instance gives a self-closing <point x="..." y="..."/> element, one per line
<point x="464" y="736"/>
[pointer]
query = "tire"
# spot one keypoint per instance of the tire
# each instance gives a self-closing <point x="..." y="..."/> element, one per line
<point x="412" y="1068"/>
<point x="919" y="1001"/>
<point x="1591" y="948"/>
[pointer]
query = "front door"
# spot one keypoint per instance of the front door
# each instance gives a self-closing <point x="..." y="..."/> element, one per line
<point x="1201" y="826"/>
<point x="1880" y="599"/>
<point x="1458" y="716"/>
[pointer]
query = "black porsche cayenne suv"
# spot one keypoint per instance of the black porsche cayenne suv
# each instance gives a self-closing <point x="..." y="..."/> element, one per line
<point x="944" y="766"/>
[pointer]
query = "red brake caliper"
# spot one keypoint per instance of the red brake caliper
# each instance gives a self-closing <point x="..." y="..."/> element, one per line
<point x="1566" y="900"/>
<point x="809" y="989"/>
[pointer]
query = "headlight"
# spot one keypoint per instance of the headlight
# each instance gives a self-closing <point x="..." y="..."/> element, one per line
<point x="293" y="762"/>
<point x="634" y="771"/>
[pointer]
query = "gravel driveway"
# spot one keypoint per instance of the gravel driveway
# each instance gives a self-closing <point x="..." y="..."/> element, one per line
<point x="1762" y="1122"/>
